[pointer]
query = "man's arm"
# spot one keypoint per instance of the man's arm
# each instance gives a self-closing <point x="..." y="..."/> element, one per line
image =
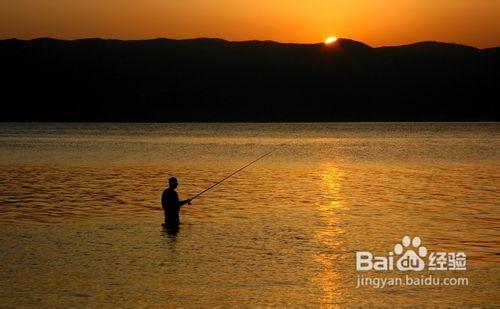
<point x="184" y="202"/>
<point x="164" y="200"/>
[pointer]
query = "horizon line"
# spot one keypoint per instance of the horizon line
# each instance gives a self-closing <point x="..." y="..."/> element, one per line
<point x="238" y="41"/>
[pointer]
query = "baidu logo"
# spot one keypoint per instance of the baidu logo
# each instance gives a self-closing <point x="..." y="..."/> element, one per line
<point x="410" y="255"/>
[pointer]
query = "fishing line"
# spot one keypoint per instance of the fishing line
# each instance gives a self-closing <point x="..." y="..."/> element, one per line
<point x="236" y="172"/>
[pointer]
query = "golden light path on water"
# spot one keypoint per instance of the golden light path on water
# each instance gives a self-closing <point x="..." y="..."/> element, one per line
<point x="328" y="236"/>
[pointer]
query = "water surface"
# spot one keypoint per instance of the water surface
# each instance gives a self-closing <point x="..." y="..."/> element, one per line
<point x="80" y="213"/>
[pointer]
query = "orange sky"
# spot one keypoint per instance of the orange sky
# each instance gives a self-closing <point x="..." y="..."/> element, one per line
<point x="375" y="22"/>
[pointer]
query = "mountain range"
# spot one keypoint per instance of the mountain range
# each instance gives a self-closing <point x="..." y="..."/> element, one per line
<point x="168" y="80"/>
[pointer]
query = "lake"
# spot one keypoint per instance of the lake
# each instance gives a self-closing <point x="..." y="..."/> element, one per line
<point x="81" y="218"/>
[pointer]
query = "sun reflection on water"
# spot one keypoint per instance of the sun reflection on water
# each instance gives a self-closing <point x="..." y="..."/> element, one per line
<point x="332" y="180"/>
<point x="328" y="278"/>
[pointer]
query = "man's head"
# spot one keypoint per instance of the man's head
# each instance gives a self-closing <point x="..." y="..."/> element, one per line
<point x="172" y="182"/>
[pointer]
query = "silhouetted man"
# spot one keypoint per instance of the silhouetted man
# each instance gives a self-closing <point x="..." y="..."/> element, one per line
<point x="171" y="203"/>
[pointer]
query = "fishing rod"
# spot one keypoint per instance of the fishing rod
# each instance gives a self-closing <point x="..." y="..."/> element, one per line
<point x="235" y="172"/>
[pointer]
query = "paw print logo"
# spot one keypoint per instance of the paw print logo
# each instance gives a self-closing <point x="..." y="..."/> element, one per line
<point x="412" y="257"/>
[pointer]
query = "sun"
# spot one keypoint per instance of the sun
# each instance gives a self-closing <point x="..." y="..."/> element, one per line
<point x="331" y="40"/>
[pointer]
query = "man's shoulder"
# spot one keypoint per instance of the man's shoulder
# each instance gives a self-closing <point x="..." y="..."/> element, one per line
<point x="166" y="193"/>
<point x="169" y="191"/>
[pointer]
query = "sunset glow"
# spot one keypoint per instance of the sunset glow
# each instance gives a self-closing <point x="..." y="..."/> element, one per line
<point x="330" y="40"/>
<point x="399" y="22"/>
